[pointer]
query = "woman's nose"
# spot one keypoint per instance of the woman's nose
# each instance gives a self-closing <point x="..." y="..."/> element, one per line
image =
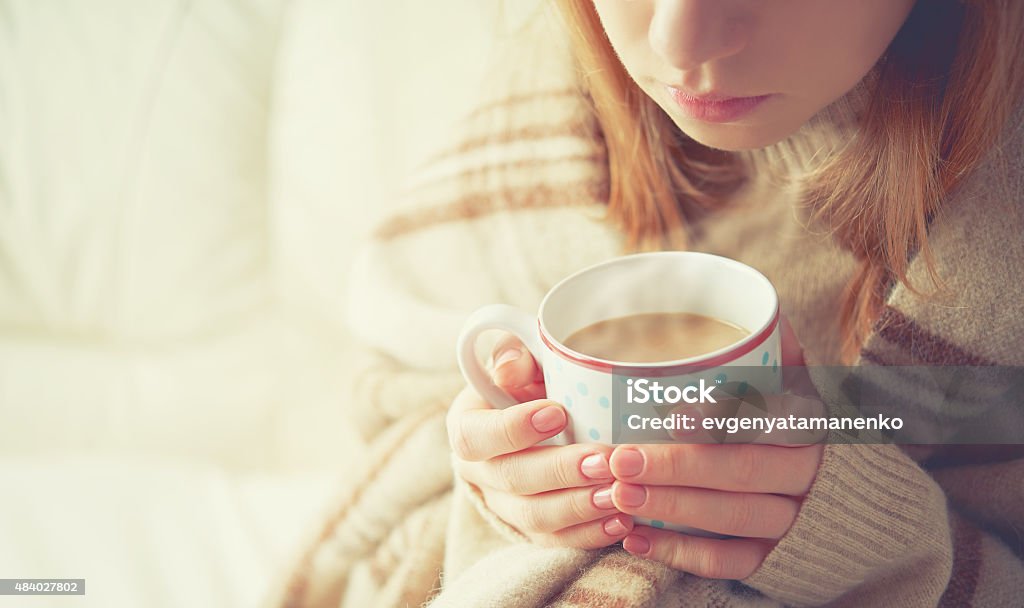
<point x="688" y="33"/>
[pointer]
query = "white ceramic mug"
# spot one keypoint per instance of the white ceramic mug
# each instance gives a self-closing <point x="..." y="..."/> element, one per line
<point x="660" y="282"/>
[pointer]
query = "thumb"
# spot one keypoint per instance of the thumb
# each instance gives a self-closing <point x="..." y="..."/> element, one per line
<point x="514" y="370"/>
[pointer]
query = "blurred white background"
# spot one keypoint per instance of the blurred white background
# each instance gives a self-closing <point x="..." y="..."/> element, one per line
<point x="182" y="186"/>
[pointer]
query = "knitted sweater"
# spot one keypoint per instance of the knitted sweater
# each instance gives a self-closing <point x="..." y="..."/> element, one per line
<point x="515" y="202"/>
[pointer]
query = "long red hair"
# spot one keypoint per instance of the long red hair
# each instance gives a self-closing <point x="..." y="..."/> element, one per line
<point x="946" y="86"/>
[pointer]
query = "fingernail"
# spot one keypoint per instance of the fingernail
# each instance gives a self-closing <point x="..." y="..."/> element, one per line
<point x="637" y="544"/>
<point x="603" y="498"/>
<point x="628" y="462"/>
<point x="508" y="355"/>
<point x="595" y="467"/>
<point x="614" y="527"/>
<point x="548" y="419"/>
<point x="632" y="496"/>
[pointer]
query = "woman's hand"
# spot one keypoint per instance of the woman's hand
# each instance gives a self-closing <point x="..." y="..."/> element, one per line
<point x="554" y="495"/>
<point x="750" y="491"/>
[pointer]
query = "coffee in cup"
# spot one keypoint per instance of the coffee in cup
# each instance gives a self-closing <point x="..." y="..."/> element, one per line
<point x="655" y="337"/>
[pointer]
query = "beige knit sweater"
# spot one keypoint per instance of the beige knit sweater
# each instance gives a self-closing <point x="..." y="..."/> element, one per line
<point x="515" y="202"/>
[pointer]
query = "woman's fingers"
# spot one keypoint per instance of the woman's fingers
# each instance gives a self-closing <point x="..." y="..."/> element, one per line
<point x="730" y="513"/>
<point x="733" y="467"/>
<point x="735" y="558"/>
<point x="542" y="469"/>
<point x="552" y="511"/>
<point x="591" y="535"/>
<point x="514" y="370"/>
<point x="476" y="431"/>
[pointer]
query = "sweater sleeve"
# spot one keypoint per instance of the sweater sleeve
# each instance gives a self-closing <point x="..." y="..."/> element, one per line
<point x="875" y="529"/>
<point x="873" y="523"/>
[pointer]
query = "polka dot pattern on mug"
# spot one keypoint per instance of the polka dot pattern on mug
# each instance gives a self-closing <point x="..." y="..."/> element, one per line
<point x="582" y="389"/>
<point x="603" y="402"/>
<point x="764" y="358"/>
<point x="594" y="434"/>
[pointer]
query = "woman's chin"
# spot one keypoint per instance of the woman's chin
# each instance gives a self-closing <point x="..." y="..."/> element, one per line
<point x="734" y="137"/>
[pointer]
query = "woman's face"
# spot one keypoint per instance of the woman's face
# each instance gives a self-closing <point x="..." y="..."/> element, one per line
<point x="741" y="74"/>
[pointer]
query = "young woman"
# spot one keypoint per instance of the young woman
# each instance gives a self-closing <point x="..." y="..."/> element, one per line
<point x="679" y="88"/>
<point x="866" y="155"/>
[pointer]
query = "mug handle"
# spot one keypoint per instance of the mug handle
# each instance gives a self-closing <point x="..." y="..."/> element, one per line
<point x="496" y="316"/>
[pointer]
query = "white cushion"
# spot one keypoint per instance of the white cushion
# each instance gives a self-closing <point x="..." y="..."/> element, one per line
<point x="135" y="290"/>
<point x="182" y="185"/>
<point x="144" y="534"/>
<point x="133" y="204"/>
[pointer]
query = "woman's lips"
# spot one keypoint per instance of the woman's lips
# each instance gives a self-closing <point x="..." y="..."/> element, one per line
<point x="715" y="108"/>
